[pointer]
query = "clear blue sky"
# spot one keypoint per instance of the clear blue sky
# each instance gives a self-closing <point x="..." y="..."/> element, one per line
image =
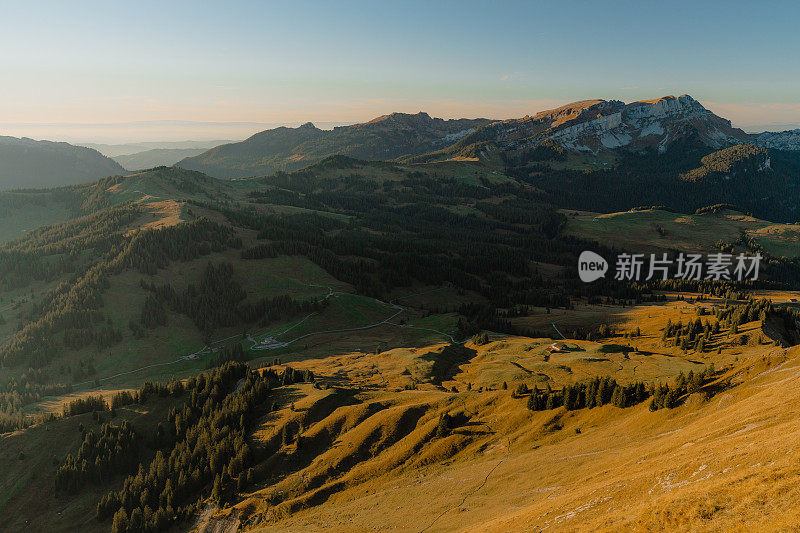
<point x="339" y="61"/>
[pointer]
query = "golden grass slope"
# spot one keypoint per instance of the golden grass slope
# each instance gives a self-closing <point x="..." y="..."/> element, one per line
<point x="730" y="463"/>
<point x="377" y="462"/>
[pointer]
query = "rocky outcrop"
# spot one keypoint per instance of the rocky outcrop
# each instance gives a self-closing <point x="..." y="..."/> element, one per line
<point x="781" y="140"/>
<point x="652" y="123"/>
<point x="596" y="126"/>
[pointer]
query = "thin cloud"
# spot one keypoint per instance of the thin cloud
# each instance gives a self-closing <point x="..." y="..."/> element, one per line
<point x="754" y="114"/>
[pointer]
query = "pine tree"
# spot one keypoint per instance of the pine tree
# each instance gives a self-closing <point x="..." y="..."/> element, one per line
<point x="617" y="400"/>
<point x="244" y="481"/>
<point x="531" y="404"/>
<point x="551" y="401"/>
<point x="641" y="393"/>
<point x="671" y="399"/>
<point x="216" y="493"/>
<point x="135" y="523"/>
<point x="120" y="522"/>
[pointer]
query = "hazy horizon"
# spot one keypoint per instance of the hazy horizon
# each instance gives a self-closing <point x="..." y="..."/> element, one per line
<point x="166" y="131"/>
<point x="172" y="131"/>
<point x="238" y="67"/>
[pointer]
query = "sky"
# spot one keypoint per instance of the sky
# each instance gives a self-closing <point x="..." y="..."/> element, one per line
<point x="143" y="71"/>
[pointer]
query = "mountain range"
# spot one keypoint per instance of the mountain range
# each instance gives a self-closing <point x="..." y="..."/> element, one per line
<point x="600" y="132"/>
<point x="383" y="138"/>
<point x="589" y="127"/>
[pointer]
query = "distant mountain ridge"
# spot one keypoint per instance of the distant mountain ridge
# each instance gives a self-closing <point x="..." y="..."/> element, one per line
<point x="26" y="163"/>
<point x="156" y="157"/>
<point x="386" y="137"/>
<point x="590" y="127"/>
<point x="114" y="150"/>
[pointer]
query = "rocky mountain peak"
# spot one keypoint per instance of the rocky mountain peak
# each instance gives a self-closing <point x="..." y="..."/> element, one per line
<point x="420" y="117"/>
<point x="647" y="123"/>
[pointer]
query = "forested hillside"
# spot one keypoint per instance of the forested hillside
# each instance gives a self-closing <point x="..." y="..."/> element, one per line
<point x="25" y="163"/>
<point x="684" y="178"/>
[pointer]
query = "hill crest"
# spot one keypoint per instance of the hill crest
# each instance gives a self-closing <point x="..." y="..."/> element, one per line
<point x="27" y="163"/>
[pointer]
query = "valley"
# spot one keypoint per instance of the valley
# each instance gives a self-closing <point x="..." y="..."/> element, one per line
<point x="419" y="267"/>
<point x="326" y="344"/>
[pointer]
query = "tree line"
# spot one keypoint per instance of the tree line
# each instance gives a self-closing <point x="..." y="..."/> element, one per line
<point x="669" y="395"/>
<point x="205" y="449"/>
<point x="587" y="394"/>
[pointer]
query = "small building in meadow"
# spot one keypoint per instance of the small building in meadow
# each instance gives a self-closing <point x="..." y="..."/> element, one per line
<point x="558" y="347"/>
